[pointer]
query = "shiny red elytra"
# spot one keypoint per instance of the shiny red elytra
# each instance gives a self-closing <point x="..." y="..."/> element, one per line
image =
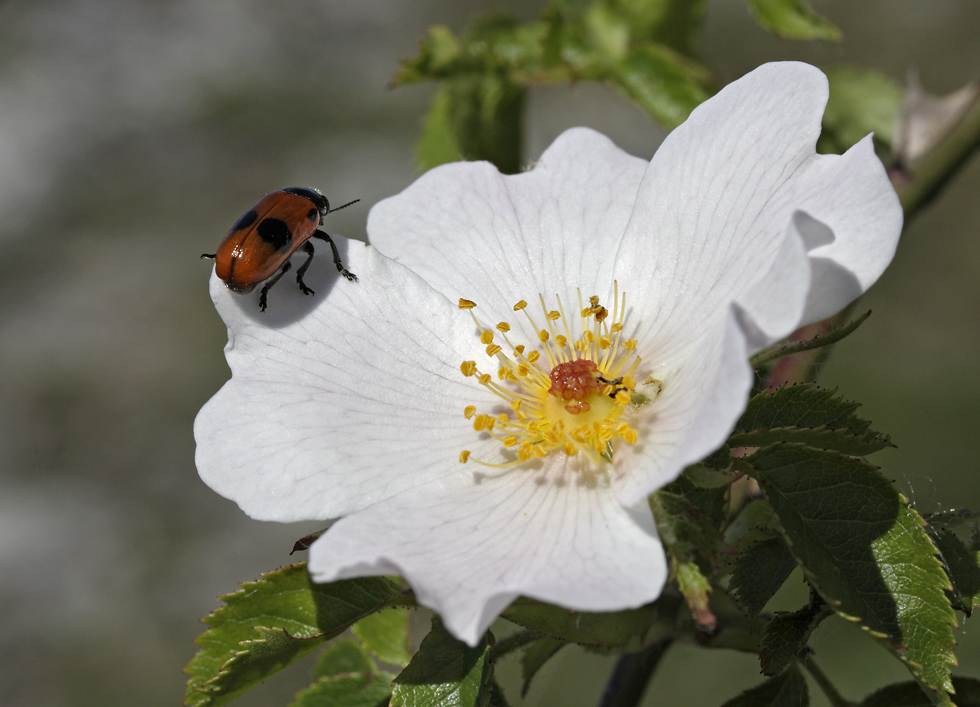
<point x="259" y="245"/>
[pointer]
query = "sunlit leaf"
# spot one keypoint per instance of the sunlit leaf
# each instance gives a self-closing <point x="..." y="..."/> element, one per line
<point x="866" y="552"/>
<point x="270" y="623"/>
<point x="354" y="690"/>
<point x="386" y="635"/>
<point x="793" y="19"/>
<point x="861" y="101"/>
<point x="910" y="694"/>
<point x="445" y="673"/>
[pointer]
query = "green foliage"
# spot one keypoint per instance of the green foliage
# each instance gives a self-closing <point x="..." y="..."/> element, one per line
<point x="343" y="656"/>
<point x="386" y="635"/>
<point x="861" y="101"/>
<point x="793" y="19"/>
<point x="759" y="572"/>
<point x="787" y="689"/>
<point x="537" y="654"/>
<point x="836" y="333"/>
<point x="865" y="551"/>
<point x="625" y="630"/>
<point x="268" y="624"/>
<point x="355" y="690"/>
<point x="962" y="563"/>
<point x="446" y="673"/>
<point x="908" y="694"/>
<point x="786" y="635"/>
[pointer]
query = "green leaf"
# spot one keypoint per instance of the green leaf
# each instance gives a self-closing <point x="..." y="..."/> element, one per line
<point x="386" y="635"/>
<point x="759" y="572"/>
<point x="909" y="694"/>
<point x="785" y="690"/>
<point x="356" y="690"/>
<point x="446" y="673"/>
<point x="627" y="630"/>
<point x="793" y="19"/>
<point x="835" y="333"/>
<point x="962" y="564"/>
<point x="537" y="654"/>
<point x="663" y="83"/>
<point x="474" y="117"/>
<point x="342" y="656"/>
<point x="861" y="101"/>
<point x="762" y="561"/>
<point x="786" y="635"/>
<point x="809" y="415"/>
<point x="270" y="623"/>
<point x="865" y="551"/>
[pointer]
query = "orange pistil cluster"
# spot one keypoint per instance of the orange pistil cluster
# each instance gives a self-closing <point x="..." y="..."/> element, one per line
<point x="567" y="394"/>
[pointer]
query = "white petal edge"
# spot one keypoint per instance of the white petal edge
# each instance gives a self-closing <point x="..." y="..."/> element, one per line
<point x="472" y="232"/>
<point x="470" y="543"/>
<point x="332" y="408"/>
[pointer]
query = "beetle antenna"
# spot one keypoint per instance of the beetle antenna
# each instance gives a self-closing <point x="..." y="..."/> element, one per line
<point x="349" y="203"/>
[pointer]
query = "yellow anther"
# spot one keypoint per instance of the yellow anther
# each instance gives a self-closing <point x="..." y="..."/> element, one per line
<point x="479" y="423"/>
<point x="469" y="411"/>
<point x="543" y="335"/>
<point x="503" y="418"/>
<point x="484" y="378"/>
<point x="594" y="300"/>
<point x="519" y="349"/>
<point x="493" y="349"/>
<point x="520" y="305"/>
<point x="629" y="382"/>
<point x="570" y="449"/>
<point x="554" y="315"/>
<point x="617" y="327"/>
<point x="524" y="452"/>
<point x="580" y="346"/>
<point x="523" y="369"/>
<point x="601" y="314"/>
<point x="468" y="368"/>
<point x="630" y="345"/>
<point x="630" y="437"/>
<point x="623" y="397"/>
<point x="560" y="341"/>
<point x="503" y="326"/>
<point x="486" y="336"/>
<point x="466" y="304"/>
<point x="588" y="336"/>
<point x="490" y="423"/>
<point x="510" y="441"/>
<point x="515" y="404"/>
<point x="464" y="456"/>
<point x="521" y="415"/>
<point x="533" y="356"/>
<point x="604" y="342"/>
<point x="540" y="451"/>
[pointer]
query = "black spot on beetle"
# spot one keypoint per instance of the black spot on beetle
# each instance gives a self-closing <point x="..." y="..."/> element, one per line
<point x="247" y="219"/>
<point x="313" y="215"/>
<point x="275" y="232"/>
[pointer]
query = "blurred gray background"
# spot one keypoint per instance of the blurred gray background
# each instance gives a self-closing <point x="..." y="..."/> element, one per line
<point x="133" y="134"/>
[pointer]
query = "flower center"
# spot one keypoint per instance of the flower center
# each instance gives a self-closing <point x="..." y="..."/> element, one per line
<point x="568" y="394"/>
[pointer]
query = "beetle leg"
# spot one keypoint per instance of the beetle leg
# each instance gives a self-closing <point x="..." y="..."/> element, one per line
<point x="265" y="290"/>
<point x="336" y="255"/>
<point x="308" y="249"/>
<point x="209" y="256"/>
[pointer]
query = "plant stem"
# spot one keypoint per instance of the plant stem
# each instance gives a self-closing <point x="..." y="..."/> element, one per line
<point x="819" y="677"/>
<point x="629" y="678"/>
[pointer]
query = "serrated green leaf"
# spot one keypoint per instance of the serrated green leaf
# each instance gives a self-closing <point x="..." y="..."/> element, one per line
<point x="445" y="673"/>
<point x="861" y="101"/>
<point x="865" y="551"/>
<point x="785" y="690"/>
<point x="386" y="635"/>
<point x="786" y="635"/>
<point x="793" y="19"/>
<point x="809" y="415"/>
<point x="355" y="690"/>
<point x="855" y="445"/>
<point x="342" y="656"/>
<point x="702" y="477"/>
<point x="962" y="564"/>
<point x="625" y="630"/>
<point x="272" y="622"/>
<point x="910" y="694"/>
<point x="759" y="572"/>
<point x="663" y="83"/>
<point x="537" y="654"/>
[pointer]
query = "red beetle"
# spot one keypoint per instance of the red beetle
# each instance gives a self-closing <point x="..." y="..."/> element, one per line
<point x="259" y="245"/>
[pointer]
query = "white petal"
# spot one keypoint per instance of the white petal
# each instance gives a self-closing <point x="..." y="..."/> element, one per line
<point x="472" y="232"/>
<point x="333" y="408"/>
<point x="852" y="197"/>
<point x="717" y="204"/>
<point x="704" y="392"/>
<point x="470" y="543"/>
